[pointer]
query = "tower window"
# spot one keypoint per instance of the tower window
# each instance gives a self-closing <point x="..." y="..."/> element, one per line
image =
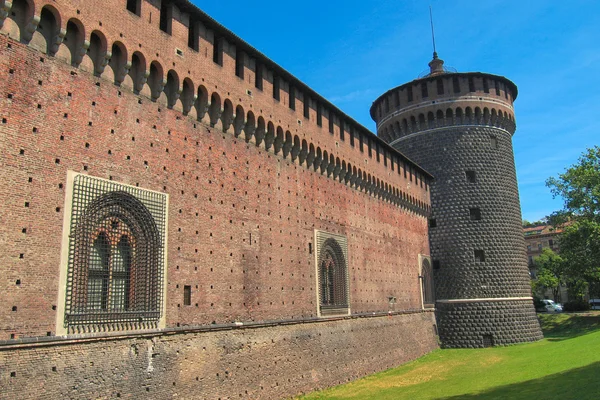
<point x="187" y="295"/>
<point x="319" y="114"/>
<point x="292" y="98"/>
<point x="493" y="142"/>
<point x="342" y="131"/>
<point x="475" y="214"/>
<point x="134" y="6"/>
<point x="193" y="36"/>
<point x="218" y="51"/>
<point x="239" y="64"/>
<point x="424" y="92"/>
<point x="486" y="85"/>
<point x="440" y="86"/>
<point x="409" y="93"/>
<point x="471" y="84"/>
<point x="497" y="87"/>
<point x="306" y="106"/>
<point x="330" y="122"/>
<point x="471" y="176"/>
<point x="479" y="255"/>
<point x="258" y="80"/>
<point x="332" y="274"/>
<point x="166" y="16"/>
<point x="276" y="87"/>
<point x="456" y="84"/>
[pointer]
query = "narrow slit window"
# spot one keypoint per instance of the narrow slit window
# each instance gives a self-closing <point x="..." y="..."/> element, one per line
<point x="218" y="51"/>
<point x="193" y="36"/>
<point x="187" y="295"/>
<point x="331" y="122"/>
<point x="166" y="16"/>
<point x="409" y="93"/>
<point x="306" y="106"/>
<point x="276" y="91"/>
<point x="440" y="86"/>
<point x="424" y="92"/>
<point x="456" y="84"/>
<point x="486" y="85"/>
<point x="319" y="115"/>
<point x="239" y="64"/>
<point x="258" y="81"/>
<point x="471" y="84"/>
<point x="292" y="101"/>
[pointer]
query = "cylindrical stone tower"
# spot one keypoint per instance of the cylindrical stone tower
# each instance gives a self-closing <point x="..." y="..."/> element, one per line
<point x="459" y="127"/>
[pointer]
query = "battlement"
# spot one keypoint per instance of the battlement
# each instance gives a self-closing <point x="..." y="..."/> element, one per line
<point x="179" y="57"/>
<point x="445" y="100"/>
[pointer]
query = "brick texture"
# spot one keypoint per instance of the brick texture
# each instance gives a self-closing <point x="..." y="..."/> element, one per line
<point x="242" y="215"/>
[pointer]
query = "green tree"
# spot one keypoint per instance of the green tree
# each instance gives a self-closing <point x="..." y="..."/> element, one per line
<point x="550" y="269"/>
<point x="579" y="186"/>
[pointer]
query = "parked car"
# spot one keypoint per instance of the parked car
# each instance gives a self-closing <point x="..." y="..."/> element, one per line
<point x="595" y="304"/>
<point x="552" y="307"/>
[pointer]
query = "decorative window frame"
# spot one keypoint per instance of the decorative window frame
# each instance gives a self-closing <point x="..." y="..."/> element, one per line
<point x="156" y="205"/>
<point x="320" y="239"/>
<point x="423" y="258"/>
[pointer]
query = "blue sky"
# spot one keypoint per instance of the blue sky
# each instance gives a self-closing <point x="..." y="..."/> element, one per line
<point x="353" y="51"/>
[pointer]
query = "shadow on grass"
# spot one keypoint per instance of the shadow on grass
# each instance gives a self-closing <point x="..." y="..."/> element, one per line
<point x="559" y="327"/>
<point x="580" y="383"/>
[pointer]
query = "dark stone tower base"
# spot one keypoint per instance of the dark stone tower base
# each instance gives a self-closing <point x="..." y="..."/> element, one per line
<point x="490" y="323"/>
<point x="459" y="127"/>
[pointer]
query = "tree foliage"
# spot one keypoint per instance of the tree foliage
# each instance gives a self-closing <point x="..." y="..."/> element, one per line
<point x="579" y="186"/>
<point x="550" y="274"/>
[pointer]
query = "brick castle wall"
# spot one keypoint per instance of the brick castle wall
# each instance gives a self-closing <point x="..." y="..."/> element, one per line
<point x="241" y="217"/>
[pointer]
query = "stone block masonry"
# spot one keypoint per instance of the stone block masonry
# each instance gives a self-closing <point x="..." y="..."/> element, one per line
<point x="251" y="363"/>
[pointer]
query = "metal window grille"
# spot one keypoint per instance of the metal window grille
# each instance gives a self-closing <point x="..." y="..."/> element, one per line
<point x="116" y="257"/>
<point x="427" y="284"/>
<point x="332" y="255"/>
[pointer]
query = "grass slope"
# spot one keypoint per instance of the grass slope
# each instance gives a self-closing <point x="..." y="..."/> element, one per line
<point x="565" y="365"/>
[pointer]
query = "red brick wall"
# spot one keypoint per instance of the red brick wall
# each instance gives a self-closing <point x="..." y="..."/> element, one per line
<point x="221" y="190"/>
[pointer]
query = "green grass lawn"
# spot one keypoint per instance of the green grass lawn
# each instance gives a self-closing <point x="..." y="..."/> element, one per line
<point x="565" y="365"/>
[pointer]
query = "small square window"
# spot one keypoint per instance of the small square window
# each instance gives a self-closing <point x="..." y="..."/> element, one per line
<point x="471" y="176"/>
<point x="494" y="142"/>
<point x="479" y="255"/>
<point x="187" y="295"/>
<point x="475" y="214"/>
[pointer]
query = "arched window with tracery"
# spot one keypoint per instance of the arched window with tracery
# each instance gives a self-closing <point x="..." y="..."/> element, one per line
<point x="427" y="286"/>
<point x="115" y="271"/>
<point x="332" y="274"/>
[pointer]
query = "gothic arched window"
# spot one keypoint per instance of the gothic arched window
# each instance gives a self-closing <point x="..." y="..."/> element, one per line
<point x="116" y="257"/>
<point x="332" y="275"/>
<point x="427" y="284"/>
